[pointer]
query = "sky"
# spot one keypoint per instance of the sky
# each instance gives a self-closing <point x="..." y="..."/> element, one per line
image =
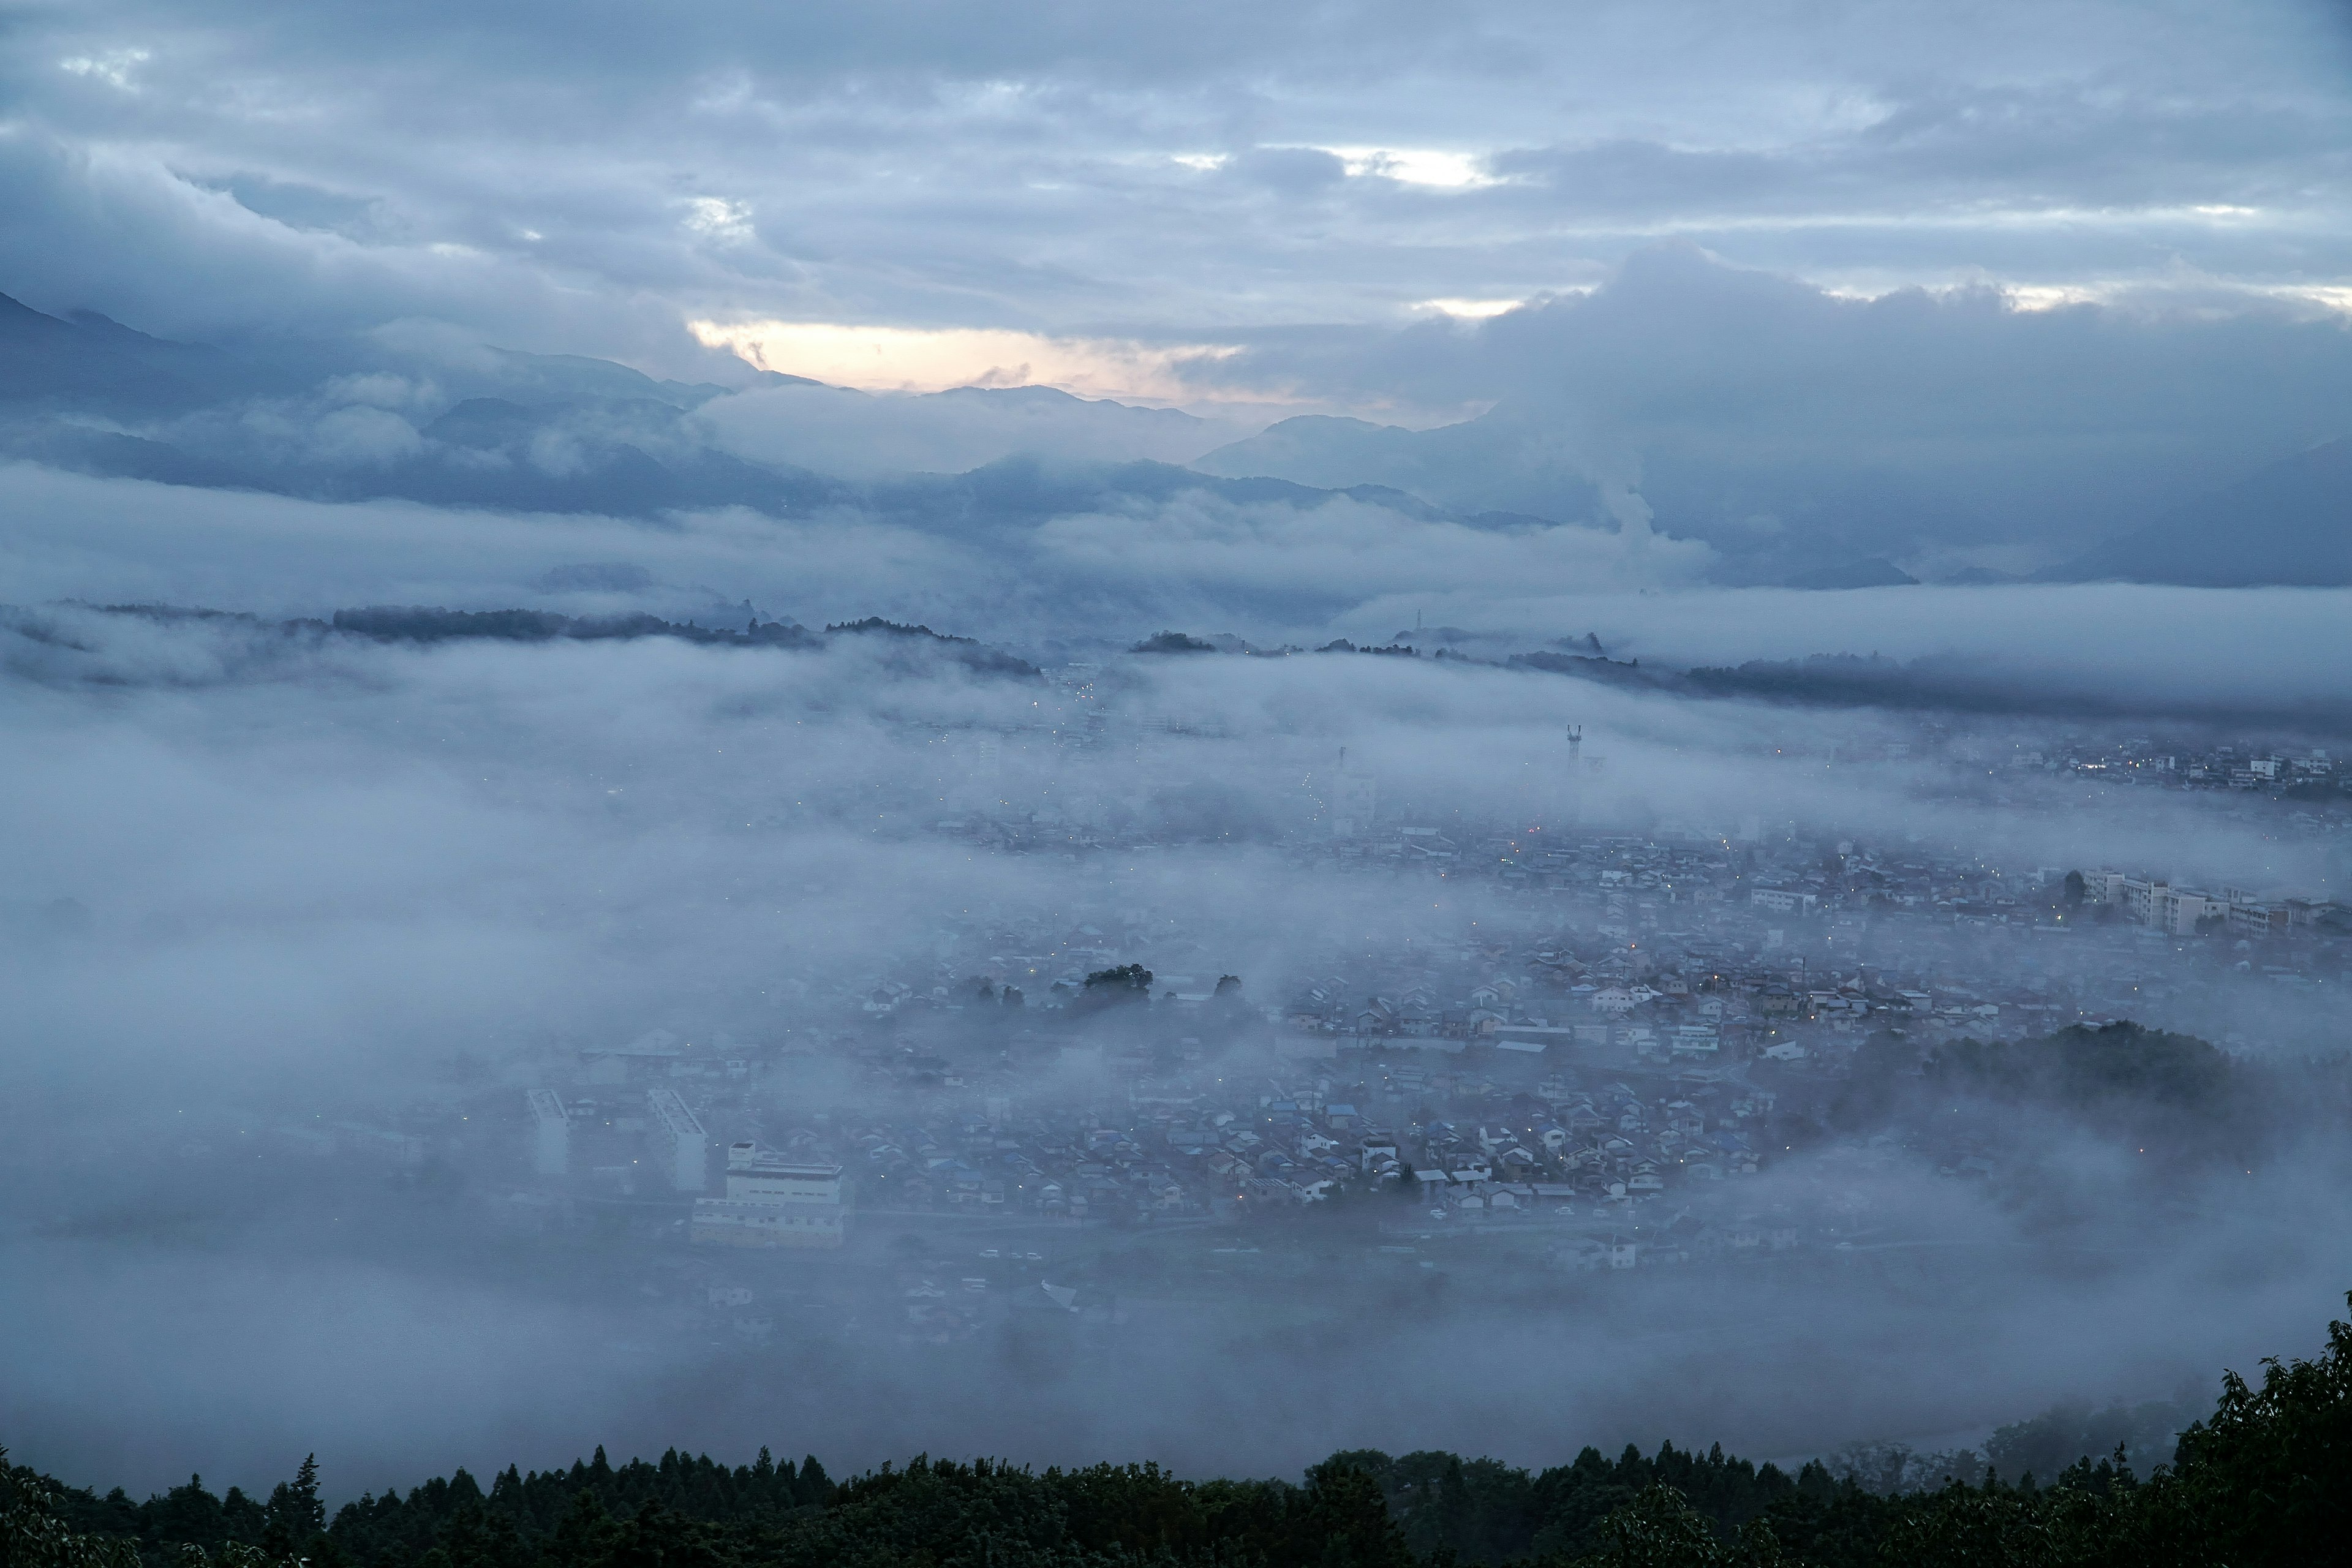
<point x="1206" y="201"/>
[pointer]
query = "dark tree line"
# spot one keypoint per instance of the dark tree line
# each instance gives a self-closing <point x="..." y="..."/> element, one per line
<point x="434" y="624"/>
<point x="418" y="624"/>
<point x="2264" y="1482"/>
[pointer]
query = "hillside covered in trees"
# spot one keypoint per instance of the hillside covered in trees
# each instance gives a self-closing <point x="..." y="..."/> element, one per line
<point x="2266" y="1479"/>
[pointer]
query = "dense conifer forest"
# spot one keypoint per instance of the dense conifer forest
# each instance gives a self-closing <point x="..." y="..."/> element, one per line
<point x="2266" y="1479"/>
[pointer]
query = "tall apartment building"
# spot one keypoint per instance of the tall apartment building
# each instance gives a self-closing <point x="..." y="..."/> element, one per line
<point x="2102" y="887"/>
<point x="2163" y="907"/>
<point x="679" y="1139"/>
<point x="551" y="1134"/>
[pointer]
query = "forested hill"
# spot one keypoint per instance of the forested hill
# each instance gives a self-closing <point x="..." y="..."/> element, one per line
<point x="426" y="625"/>
<point x="2264" y="1482"/>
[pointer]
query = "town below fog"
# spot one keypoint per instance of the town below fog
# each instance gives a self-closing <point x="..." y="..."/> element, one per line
<point x="1518" y="1056"/>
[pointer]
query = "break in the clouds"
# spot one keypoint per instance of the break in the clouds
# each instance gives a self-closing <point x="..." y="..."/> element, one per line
<point x="1144" y="179"/>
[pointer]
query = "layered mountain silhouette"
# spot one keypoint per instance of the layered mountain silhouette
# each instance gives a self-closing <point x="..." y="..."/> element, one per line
<point x="90" y="363"/>
<point x="2290" y="523"/>
<point x="1877" y="572"/>
<point x="569" y="433"/>
<point x="1771" y="518"/>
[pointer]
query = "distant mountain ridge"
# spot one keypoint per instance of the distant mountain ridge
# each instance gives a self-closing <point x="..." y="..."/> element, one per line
<point x="90" y="362"/>
<point x="2289" y="524"/>
<point x="433" y="624"/>
<point x="553" y="433"/>
<point x="1877" y="572"/>
<point x="1479" y="466"/>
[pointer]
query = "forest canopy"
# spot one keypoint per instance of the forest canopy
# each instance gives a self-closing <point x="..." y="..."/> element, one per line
<point x="2265" y="1479"/>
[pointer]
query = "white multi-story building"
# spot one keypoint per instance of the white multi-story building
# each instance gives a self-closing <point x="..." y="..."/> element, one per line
<point x="551" y="1136"/>
<point x="2102" y="887"/>
<point x="679" y="1138"/>
<point x="1354" y="802"/>
<point x="2160" y="906"/>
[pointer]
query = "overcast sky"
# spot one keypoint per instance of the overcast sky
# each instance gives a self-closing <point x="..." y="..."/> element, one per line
<point x="1126" y="184"/>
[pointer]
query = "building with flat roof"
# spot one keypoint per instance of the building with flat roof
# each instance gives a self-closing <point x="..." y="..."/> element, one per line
<point x="772" y="1202"/>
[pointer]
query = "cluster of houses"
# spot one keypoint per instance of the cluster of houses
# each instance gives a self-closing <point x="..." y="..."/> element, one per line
<point x="1627" y="1053"/>
<point x="2139" y="760"/>
<point x="1627" y="1047"/>
<point x="1594" y="1150"/>
<point x="1609" y="1047"/>
<point x="1672" y="945"/>
<point x="1433" y="1143"/>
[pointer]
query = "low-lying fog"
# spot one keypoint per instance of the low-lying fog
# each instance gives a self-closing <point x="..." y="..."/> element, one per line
<point x="257" y="880"/>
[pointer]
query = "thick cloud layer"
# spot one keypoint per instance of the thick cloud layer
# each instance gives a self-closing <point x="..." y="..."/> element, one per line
<point x="1764" y="415"/>
<point x="1729" y="424"/>
<point x="583" y="180"/>
<point x="1973" y="290"/>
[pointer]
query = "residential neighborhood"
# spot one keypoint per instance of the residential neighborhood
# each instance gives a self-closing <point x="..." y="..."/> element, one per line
<point x="1599" y="1051"/>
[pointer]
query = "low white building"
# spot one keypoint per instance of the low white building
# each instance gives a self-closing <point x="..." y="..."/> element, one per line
<point x="772" y="1202"/>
